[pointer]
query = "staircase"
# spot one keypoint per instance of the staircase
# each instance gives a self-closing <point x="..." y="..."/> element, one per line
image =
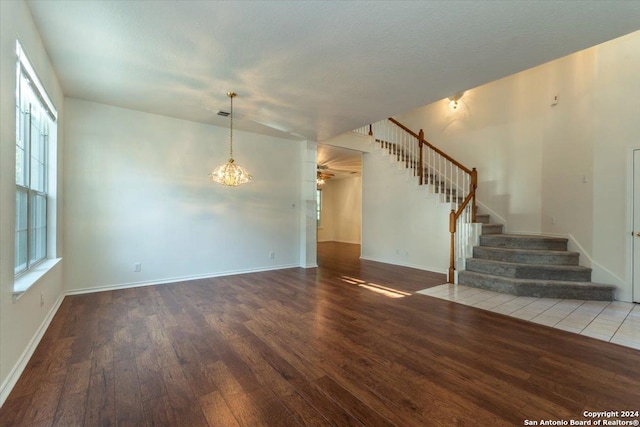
<point x="536" y="266"/>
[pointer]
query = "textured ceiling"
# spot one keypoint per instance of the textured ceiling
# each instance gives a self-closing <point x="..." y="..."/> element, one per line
<point x="308" y="69"/>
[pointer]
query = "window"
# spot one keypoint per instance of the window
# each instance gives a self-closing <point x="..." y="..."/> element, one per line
<point x="318" y="205"/>
<point x="35" y="118"/>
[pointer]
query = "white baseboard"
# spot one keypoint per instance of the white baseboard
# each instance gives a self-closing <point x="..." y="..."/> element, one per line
<point x="599" y="273"/>
<point x="18" y="368"/>
<point x="177" y="279"/>
<point x="573" y="246"/>
<point x="406" y="264"/>
<point x="497" y="219"/>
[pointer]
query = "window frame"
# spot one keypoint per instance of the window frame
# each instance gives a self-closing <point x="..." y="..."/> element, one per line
<point x="318" y="207"/>
<point x="35" y="118"/>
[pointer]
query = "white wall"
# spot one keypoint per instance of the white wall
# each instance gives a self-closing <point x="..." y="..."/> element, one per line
<point x="308" y="214"/>
<point x="341" y="210"/>
<point x="554" y="169"/>
<point x="400" y="223"/>
<point x="616" y="131"/>
<point x="22" y="321"/>
<point x="138" y="191"/>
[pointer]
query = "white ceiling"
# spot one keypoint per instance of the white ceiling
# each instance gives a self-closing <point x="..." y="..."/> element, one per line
<point x="307" y="69"/>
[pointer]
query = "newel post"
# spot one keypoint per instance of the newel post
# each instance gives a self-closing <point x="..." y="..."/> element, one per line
<point x="421" y="166"/>
<point x="452" y="255"/>
<point x="474" y="185"/>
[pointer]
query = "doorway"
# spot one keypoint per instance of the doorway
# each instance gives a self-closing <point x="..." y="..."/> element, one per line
<point x="339" y="194"/>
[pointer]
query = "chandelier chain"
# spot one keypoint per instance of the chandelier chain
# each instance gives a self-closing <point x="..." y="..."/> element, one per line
<point x="231" y="130"/>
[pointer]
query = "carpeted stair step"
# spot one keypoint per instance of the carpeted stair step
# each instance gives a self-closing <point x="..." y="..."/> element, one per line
<point x="538" y="288"/>
<point x="491" y="228"/>
<point x="482" y="218"/>
<point x="572" y="273"/>
<point x="526" y="256"/>
<point x="519" y="241"/>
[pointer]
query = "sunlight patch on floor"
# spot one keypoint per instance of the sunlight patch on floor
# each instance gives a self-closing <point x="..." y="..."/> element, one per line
<point x="380" y="289"/>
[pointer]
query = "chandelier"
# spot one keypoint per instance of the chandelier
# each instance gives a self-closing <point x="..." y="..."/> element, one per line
<point x="230" y="173"/>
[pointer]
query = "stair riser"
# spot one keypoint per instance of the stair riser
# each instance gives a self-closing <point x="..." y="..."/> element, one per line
<point x="567" y="258"/>
<point x="482" y="218"/>
<point x="523" y="243"/>
<point x="528" y="272"/>
<point x="532" y="290"/>
<point x="491" y="229"/>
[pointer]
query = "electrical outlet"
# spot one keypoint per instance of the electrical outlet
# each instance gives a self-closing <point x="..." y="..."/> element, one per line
<point x="41" y="299"/>
<point x="553" y="220"/>
<point x="137" y="267"/>
<point x="272" y="255"/>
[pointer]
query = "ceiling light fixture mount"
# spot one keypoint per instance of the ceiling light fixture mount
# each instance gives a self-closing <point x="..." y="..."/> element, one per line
<point x="230" y="173"/>
<point x="453" y="100"/>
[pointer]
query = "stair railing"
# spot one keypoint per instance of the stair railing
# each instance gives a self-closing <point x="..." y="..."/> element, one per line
<point x="442" y="174"/>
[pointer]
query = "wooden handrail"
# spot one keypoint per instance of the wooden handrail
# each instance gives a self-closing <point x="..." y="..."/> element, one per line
<point x="456" y="214"/>
<point x="471" y="197"/>
<point x="434" y="148"/>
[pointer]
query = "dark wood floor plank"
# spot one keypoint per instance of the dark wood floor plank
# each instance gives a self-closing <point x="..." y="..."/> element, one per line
<point x="47" y="397"/>
<point x="283" y="380"/>
<point x="309" y="347"/>
<point x="128" y="402"/>
<point x="260" y="408"/>
<point x="225" y="381"/>
<point x="160" y="341"/>
<point x="158" y="412"/>
<point x="71" y="410"/>
<point x="184" y="405"/>
<point x="123" y="344"/>
<point x="16" y="410"/>
<point x="217" y="411"/>
<point x="101" y="405"/>
<point x="351" y="404"/>
<point x="78" y="376"/>
<point x="150" y="376"/>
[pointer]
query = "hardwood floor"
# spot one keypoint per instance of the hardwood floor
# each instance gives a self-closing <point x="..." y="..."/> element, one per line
<point x="310" y="347"/>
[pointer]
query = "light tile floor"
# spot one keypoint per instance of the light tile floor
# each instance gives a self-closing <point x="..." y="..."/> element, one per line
<point x="615" y="321"/>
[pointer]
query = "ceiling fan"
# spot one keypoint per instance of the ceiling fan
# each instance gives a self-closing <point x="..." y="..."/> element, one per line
<point x="338" y="162"/>
<point x="323" y="175"/>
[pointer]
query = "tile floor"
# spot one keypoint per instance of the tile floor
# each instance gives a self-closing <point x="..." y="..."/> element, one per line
<point x="615" y="321"/>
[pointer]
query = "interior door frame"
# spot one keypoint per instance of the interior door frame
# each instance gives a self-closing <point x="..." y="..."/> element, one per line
<point x="635" y="294"/>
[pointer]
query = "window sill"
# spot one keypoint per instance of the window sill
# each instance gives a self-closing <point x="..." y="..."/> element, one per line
<point x="27" y="280"/>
